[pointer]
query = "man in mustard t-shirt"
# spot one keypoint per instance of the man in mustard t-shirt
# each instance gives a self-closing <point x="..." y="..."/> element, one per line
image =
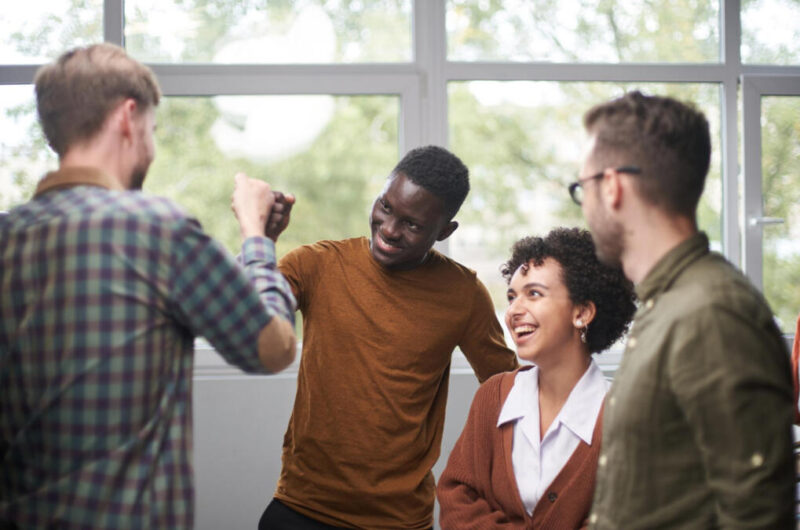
<point x="381" y="318"/>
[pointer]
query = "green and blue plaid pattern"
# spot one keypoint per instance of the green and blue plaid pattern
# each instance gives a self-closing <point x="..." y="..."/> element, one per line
<point x="102" y="293"/>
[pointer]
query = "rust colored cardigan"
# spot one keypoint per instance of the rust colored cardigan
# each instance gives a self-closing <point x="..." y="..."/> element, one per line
<point x="478" y="489"/>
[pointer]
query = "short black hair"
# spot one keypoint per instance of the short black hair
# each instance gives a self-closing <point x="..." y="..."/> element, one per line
<point x="587" y="280"/>
<point x="440" y="172"/>
<point x="667" y="139"/>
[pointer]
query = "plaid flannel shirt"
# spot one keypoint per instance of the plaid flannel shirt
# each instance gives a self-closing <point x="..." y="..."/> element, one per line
<point x="103" y="292"/>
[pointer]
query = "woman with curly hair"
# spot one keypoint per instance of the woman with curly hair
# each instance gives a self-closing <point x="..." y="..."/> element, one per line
<point x="529" y="450"/>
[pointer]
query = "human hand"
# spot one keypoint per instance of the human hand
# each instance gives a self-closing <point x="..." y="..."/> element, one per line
<point x="251" y="202"/>
<point x="279" y="216"/>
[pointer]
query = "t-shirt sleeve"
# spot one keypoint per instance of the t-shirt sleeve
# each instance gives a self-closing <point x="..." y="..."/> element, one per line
<point x="224" y="302"/>
<point x="729" y="373"/>
<point x="300" y="267"/>
<point x="483" y="343"/>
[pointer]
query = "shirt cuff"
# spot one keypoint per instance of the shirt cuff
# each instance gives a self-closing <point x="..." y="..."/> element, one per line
<point x="258" y="249"/>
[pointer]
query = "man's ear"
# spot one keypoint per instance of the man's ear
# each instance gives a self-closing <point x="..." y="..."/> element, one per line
<point x="447" y="231"/>
<point x="611" y="189"/>
<point x="126" y="114"/>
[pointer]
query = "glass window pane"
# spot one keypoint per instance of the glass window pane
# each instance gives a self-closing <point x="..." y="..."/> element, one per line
<point x="35" y="32"/>
<point x="612" y="31"/>
<point x="780" y="169"/>
<point x="523" y="143"/>
<point x="24" y="154"/>
<point x="332" y="152"/>
<point x="771" y="32"/>
<point x="247" y="31"/>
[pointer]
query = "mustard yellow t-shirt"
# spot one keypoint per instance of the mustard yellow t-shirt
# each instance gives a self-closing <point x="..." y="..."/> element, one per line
<point x="367" y="423"/>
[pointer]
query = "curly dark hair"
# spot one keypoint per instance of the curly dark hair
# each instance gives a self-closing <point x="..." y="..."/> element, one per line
<point x="440" y="172"/>
<point x="586" y="279"/>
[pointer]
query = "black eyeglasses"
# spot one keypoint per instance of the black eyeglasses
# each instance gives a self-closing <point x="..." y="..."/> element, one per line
<point x="576" y="188"/>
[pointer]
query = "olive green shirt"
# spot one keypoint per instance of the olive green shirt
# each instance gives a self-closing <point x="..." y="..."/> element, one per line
<point x="697" y="425"/>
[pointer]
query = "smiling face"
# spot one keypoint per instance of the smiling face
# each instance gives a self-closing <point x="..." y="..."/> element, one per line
<point x="540" y="314"/>
<point x="406" y="221"/>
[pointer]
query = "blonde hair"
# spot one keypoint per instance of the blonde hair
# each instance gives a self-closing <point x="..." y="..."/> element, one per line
<point x="75" y="94"/>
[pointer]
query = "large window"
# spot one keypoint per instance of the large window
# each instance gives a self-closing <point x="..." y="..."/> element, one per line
<point x="577" y="31"/>
<point x="332" y="152"/>
<point x="247" y="31"/>
<point x="521" y="141"/>
<point x="321" y="97"/>
<point x="781" y="192"/>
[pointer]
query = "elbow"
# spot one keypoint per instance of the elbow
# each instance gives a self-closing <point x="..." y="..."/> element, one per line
<point x="277" y="345"/>
<point x="281" y="359"/>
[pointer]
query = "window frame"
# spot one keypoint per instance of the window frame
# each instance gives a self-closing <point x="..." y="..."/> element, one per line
<point x="422" y="86"/>
<point x="754" y="87"/>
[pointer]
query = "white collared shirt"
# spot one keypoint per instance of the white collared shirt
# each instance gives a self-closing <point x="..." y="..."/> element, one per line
<point x="536" y="464"/>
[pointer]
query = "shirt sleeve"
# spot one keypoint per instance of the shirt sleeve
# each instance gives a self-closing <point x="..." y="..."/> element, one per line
<point x="730" y="375"/>
<point x="483" y="343"/>
<point x="299" y="267"/>
<point x="461" y="489"/>
<point x="227" y="303"/>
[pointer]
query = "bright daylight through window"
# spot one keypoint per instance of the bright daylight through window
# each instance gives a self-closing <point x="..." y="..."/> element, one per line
<point x="322" y="97"/>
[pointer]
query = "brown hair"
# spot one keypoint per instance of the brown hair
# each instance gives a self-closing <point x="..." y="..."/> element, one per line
<point x="667" y="139"/>
<point x="75" y="94"/>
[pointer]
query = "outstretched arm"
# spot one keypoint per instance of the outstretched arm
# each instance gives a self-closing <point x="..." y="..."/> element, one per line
<point x="263" y="213"/>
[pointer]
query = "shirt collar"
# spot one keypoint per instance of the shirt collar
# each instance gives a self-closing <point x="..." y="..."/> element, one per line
<point x="519" y="402"/>
<point x="579" y="413"/>
<point x="76" y="176"/>
<point x="672" y="265"/>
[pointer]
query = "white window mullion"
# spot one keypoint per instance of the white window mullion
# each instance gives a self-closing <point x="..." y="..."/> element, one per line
<point x="113" y="22"/>
<point x="730" y="43"/>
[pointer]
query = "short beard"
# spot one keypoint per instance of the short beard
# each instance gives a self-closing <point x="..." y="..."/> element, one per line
<point x="608" y="237"/>
<point x="137" y="179"/>
<point x="138" y="174"/>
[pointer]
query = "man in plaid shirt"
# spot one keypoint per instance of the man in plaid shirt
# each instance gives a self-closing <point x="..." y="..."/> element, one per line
<point x="103" y="291"/>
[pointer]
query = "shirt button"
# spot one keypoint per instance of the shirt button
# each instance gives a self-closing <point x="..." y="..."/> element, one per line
<point x="593" y="518"/>
<point x="632" y="342"/>
<point x="757" y="459"/>
<point x="552" y="496"/>
<point x="602" y="461"/>
<point x="649" y="304"/>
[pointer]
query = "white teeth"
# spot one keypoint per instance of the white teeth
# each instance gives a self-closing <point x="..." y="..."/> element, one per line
<point x="386" y="243"/>
<point x="524" y="329"/>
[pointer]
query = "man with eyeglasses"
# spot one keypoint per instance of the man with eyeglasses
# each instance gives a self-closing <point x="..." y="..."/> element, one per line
<point x="697" y="423"/>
